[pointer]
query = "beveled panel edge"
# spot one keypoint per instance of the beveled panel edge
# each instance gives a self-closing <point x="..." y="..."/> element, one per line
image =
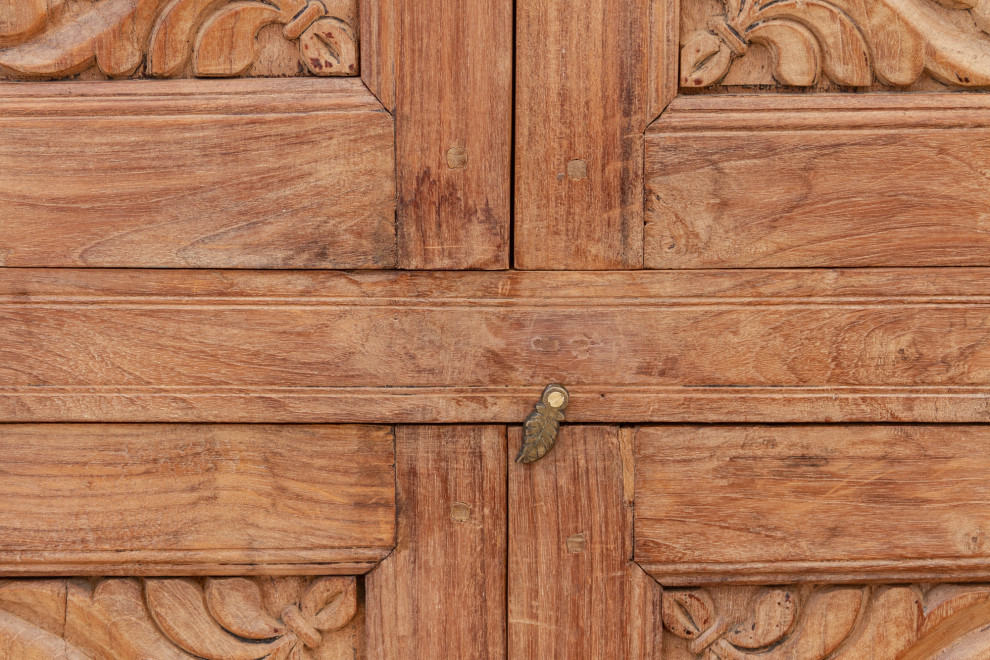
<point x="182" y="97"/>
<point x="504" y="405"/>
<point x="337" y="561"/>
<point x="875" y="111"/>
<point x="834" y="572"/>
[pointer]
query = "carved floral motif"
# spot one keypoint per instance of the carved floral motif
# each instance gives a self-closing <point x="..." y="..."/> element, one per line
<point x="217" y="37"/>
<point x="849" y="42"/>
<point x="838" y="622"/>
<point x="174" y="618"/>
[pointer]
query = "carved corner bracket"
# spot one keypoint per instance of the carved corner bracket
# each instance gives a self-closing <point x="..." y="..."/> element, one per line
<point x="51" y="39"/>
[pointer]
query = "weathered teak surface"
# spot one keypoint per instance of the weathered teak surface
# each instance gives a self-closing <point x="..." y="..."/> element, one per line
<point x="691" y="346"/>
<point x="280" y="281"/>
<point x="166" y="499"/>
<point x="777" y="503"/>
<point x="225" y="174"/>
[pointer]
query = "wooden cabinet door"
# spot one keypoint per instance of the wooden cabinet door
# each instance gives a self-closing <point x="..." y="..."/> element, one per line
<point x="211" y="215"/>
<point x="790" y="199"/>
<point x="269" y="329"/>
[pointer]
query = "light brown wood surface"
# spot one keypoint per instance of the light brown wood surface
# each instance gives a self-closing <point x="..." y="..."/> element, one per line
<point x="830" y="180"/>
<point x="179" y="251"/>
<point x="453" y="118"/>
<point x="188" y="499"/>
<point x="573" y="591"/>
<point x="231" y="174"/>
<point x="441" y="593"/>
<point x="663" y="57"/>
<point x="182" y="619"/>
<point x="582" y="99"/>
<point x="378" y="44"/>
<point x="802" y="345"/>
<point x="766" y="503"/>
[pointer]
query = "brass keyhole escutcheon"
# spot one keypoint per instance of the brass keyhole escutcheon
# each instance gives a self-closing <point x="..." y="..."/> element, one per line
<point x="541" y="427"/>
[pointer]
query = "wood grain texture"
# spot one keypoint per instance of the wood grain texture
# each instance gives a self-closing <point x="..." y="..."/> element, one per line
<point x="762" y="503"/>
<point x="663" y="73"/>
<point x="378" y="46"/>
<point x="104" y="39"/>
<point x="230" y="175"/>
<point x="812" y="622"/>
<point x="573" y="591"/>
<point x="441" y="593"/>
<point x="453" y="91"/>
<point x="847" y="43"/>
<point x="803" y="345"/>
<point x="181" y="619"/>
<point x="153" y="499"/>
<point x="869" y="180"/>
<point x="581" y="107"/>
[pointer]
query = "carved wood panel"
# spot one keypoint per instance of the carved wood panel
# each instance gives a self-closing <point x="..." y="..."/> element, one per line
<point x="835" y="43"/>
<point x="285" y="618"/>
<point x="808" y="622"/>
<point x="98" y="39"/>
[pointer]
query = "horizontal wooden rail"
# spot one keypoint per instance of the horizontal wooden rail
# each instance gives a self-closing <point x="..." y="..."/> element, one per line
<point x="689" y="346"/>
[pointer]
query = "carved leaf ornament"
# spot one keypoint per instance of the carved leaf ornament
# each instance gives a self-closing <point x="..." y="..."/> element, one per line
<point x="219" y="37"/>
<point x="849" y="42"/>
<point x="173" y="618"/>
<point x="540" y="428"/>
<point x="901" y="622"/>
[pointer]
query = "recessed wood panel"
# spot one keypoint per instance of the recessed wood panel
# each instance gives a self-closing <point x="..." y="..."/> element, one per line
<point x="773" y="503"/>
<point x="150" y="499"/>
<point x="235" y="174"/>
<point x="871" y="180"/>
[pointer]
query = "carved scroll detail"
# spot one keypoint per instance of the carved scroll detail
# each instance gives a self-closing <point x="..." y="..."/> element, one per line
<point x="168" y="38"/>
<point x="849" y="42"/>
<point x="814" y="623"/>
<point x="174" y="618"/>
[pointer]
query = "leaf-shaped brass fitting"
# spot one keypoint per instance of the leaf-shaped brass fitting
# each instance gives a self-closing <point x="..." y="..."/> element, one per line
<point x="540" y="429"/>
